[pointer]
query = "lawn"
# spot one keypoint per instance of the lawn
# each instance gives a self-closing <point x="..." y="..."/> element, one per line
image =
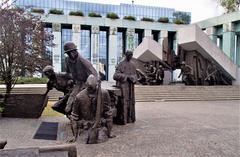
<point x="48" y="111"/>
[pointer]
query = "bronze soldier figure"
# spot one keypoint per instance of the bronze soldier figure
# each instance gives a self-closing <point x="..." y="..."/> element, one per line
<point x="80" y="69"/>
<point x="187" y="74"/>
<point x="62" y="82"/>
<point x="126" y="77"/>
<point x="159" y="75"/>
<point x="92" y="112"/>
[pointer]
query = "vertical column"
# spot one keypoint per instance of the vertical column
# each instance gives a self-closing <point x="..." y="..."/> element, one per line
<point x="112" y="52"/>
<point x="238" y="51"/>
<point x="163" y="34"/>
<point x="95" y="47"/>
<point x="130" y="39"/>
<point x="211" y="32"/>
<point x="148" y="33"/>
<point x="76" y="35"/>
<point x="229" y="40"/>
<point x="56" y="56"/>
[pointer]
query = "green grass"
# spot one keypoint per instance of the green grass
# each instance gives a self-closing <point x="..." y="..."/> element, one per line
<point x="30" y="80"/>
<point x="48" y="111"/>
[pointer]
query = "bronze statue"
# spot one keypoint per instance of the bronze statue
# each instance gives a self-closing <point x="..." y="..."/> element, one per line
<point x="187" y="74"/>
<point x="92" y="112"/>
<point x="62" y="82"/>
<point x="79" y="68"/>
<point x="159" y="75"/>
<point x="211" y="74"/>
<point x="126" y="77"/>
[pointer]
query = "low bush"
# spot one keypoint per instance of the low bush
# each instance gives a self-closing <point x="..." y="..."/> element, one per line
<point x="132" y="18"/>
<point x="178" y="21"/>
<point x="93" y="14"/>
<point x="56" y="11"/>
<point x="36" y="10"/>
<point x="147" y="19"/>
<point x="163" y="20"/>
<point x="112" y="16"/>
<point x="76" y="13"/>
<point x="30" y="80"/>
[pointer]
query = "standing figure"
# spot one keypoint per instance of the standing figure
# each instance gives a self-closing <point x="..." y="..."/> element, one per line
<point x="159" y="75"/>
<point x="211" y="74"/>
<point x="62" y="82"/>
<point x="187" y="74"/>
<point x="126" y="77"/>
<point x="92" y="113"/>
<point x="80" y="69"/>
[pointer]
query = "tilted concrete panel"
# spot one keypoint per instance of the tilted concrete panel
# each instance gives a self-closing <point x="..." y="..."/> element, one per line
<point x="148" y="50"/>
<point x="193" y="38"/>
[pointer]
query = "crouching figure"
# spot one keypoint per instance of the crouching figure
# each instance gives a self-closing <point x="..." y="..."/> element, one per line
<point x="92" y="113"/>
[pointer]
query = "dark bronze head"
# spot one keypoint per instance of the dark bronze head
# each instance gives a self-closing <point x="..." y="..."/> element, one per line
<point x="71" y="50"/>
<point x="129" y="55"/>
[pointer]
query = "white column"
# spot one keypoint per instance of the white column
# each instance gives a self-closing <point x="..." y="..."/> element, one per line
<point x="76" y="35"/>
<point x="56" y="56"/>
<point x="148" y="33"/>
<point x="130" y="39"/>
<point x="163" y="34"/>
<point x="112" y="52"/>
<point x="211" y="32"/>
<point x="95" y="47"/>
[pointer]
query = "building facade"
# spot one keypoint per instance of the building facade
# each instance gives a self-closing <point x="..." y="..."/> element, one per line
<point x="101" y="40"/>
<point x="225" y="32"/>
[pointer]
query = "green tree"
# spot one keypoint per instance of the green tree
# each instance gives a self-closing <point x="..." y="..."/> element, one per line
<point x="230" y="5"/>
<point x="178" y="15"/>
<point x="23" y="42"/>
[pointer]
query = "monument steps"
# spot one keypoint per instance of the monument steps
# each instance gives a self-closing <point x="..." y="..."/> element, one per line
<point x="160" y="93"/>
<point x="186" y="93"/>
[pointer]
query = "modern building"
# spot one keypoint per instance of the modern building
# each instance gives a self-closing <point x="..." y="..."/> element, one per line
<point x="104" y="40"/>
<point x="101" y="40"/>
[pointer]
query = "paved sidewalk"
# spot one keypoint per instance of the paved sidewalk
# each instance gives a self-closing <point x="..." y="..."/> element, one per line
<point x="163" y="129"/>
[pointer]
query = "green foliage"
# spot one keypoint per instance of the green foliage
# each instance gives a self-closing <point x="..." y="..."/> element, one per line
<point x="76" y="13"/>
<point x="36" y="10"/>
<point x="178" y="15"/>
<point x="32" y="80"/>
<point x="163" y="20"/>
<point x="230" y="5"/>
<point x="93" y="14"/>
<point x="147" y="19"/>
<point x="178" y="21"/>
<point x="56" y="11"/>
<point x="132" y="18"/>
<point x="112" y="16"/>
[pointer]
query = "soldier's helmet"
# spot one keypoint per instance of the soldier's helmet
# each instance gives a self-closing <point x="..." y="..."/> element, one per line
<point x="128" y="52"/>
<point x="183" y="63"/>
<point x="69" y="46"/>
<point x="92" y="81"/>
<point x="48" y="68"/>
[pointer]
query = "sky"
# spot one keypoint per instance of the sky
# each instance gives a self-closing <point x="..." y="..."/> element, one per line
<point x="200" y="9"/>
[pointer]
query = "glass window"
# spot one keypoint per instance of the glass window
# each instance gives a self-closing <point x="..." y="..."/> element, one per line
<point x="103" y="53"/>
<point x="66" y="36"/>
<point x="85" y="44"/>
<point x="119" y="46"/>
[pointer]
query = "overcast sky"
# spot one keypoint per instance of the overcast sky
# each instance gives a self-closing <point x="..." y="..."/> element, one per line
<point x="200" y="9"/>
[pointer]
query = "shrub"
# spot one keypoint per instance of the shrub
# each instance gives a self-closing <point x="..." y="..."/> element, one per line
<point x="93" y="14"/>
<point x="112" y="16"/>
<point x="132" y="18"/>
<point x="36" y="10"/>
<point x="76" y="13"/>
<point x="56" y="11"/>
<point x="178" y="21"/>
<point x="30" y="80"/>
<point x="147" y="19"/>
<point x="1" y="107"/>
<point x="163" y="20"/>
